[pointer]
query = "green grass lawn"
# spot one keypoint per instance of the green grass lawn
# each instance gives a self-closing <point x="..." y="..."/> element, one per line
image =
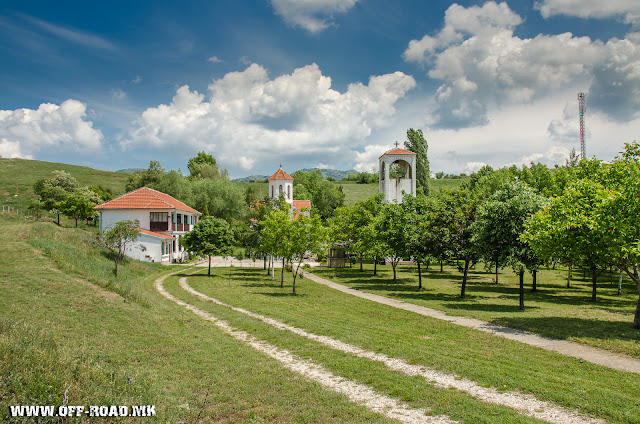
<point x="69" y="325"/>
<point x="552" y="311"/>
<point x="61" y="331"/>
<point x="489" y="360"/>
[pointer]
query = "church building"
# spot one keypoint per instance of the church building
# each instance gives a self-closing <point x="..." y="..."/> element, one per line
<point x="281" y="183"/>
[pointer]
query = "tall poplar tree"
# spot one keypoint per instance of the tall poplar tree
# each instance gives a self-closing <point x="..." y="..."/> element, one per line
<point x="418" y="145"/>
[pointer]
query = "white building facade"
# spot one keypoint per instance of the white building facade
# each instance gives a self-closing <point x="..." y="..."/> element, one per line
<point x="163" y="221"/>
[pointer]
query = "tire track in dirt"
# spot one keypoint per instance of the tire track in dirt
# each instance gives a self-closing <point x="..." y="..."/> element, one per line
<point x="355" y="392"/>
<point x="524" y="403"/>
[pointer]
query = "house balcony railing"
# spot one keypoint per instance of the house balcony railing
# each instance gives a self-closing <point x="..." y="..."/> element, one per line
<point x="181" y="227"/>
<point x="159" y="226"/>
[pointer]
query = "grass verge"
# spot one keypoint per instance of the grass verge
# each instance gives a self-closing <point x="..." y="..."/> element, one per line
<point x="553" y="310"/>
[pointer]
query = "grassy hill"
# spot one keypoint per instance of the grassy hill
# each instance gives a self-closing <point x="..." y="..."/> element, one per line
<point x="17" y="177"/>
<point x="68" y="327"/>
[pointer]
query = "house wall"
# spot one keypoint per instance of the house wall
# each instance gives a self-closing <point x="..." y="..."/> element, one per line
<point x="152" y="252"/>
<point x="109" y="217"/>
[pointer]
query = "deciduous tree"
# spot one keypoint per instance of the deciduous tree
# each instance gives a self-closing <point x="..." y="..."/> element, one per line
<point x="418" y="145"/>
<point x="210" y="236"/>
<point x="117" y="239"/>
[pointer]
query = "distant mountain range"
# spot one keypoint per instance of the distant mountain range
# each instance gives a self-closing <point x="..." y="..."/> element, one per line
<point x="333" y="173"/>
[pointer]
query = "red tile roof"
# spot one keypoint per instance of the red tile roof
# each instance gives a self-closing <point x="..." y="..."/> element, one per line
<point x="146" y="198"/>
<point x="280" y="175"/>
<point x="300" y="204"/>
<point x="154" y="234"/>
<point x="398" y="151"/>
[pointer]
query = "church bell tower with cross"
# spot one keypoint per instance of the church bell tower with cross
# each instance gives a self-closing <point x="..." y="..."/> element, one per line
<point x="392" y="188"/>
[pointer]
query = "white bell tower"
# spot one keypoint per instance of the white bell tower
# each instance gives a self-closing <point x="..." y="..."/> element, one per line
<point x="281" y="183"/>
<point x="392" y="188"/>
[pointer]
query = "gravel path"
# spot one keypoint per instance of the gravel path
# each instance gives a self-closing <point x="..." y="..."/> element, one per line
<point x="357" y="393"/>
<point x="576" y="350"/>
<point x="526" y="404"/>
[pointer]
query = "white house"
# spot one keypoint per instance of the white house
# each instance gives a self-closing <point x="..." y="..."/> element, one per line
<point x="163" y="220"/>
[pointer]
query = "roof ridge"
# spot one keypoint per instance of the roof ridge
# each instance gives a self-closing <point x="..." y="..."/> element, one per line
<point x="153" y="192"/>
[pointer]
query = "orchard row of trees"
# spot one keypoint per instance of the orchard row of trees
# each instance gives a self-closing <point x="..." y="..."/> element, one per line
<point x="582" y="215"/>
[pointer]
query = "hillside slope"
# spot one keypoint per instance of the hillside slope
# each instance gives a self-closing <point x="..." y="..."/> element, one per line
<point x="17" y="177"/>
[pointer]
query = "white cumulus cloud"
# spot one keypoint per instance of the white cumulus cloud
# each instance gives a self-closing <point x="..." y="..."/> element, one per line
<point x="64" y="127"/>
<point x="248" y="117"/>
<point x="482" y="64"/>
<point x="628" y="10"/>
<point x="312" y="15"/>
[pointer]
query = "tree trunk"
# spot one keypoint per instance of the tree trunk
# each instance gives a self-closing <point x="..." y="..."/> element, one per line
<point x="264" y="262"/>
<point x="294" y="276"/>
<point x="496" y="269"/>
<point x="521" y="275"/>
<point x="440" y="265"/>
<point x="375" y="266"/>
<point x="360" y="262"/>
<point x="594" y="277"/>
<point x="209" y="273"/>
<point x="282" y="276"/>
<point x="76" y="222"/>
<point x="620" y="284"/>
<point x="569" y="277"/>
<point x="419" y="276"/>
<point x="463" y="289"/>
<point x="116" y="271"/>
<point x="636" y="319"/>
<point x="535" y="282"/>
<point x="58" y="219"/>
<point x="393" y="265"/>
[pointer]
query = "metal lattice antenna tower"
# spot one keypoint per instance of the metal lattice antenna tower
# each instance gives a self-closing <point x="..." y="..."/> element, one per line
<point x="581" y="108"/>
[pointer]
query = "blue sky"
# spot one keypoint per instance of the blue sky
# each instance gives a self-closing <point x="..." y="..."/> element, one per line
<point x="316" y="83"/>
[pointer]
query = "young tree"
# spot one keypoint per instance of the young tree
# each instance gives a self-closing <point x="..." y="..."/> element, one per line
<point x="596" y="218"/>
<point x="117" y="239"/>
<point x="418" y="145"/>
<point x="55" y="190"/>
<point x="210" y="236"/>
<point x="457" y="212"/>
<point x="307" y="237"/>
<point x="568" y="228"/>
<point x="351" y="226"/>
<point x="79" y="204"/>
<point x="277" y="235"/>
<point x="501" y="221"/>
<point x="393" y="233"/>
<point x="417" y="212"/>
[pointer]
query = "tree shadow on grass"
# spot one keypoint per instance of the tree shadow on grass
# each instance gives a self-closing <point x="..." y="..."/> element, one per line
<point x="280" y="294"/>
<point x="568" y="327"/>
<point x="263" y="285"/>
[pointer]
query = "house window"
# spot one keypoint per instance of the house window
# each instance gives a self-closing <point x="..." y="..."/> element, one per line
<point x="280" y="190"/>
<point x="288" y="192"/>
<point x="158" y="221"/>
